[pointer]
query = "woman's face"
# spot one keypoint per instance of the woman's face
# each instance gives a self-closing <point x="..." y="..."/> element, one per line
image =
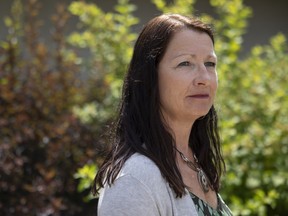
<point x="187" y="76"/>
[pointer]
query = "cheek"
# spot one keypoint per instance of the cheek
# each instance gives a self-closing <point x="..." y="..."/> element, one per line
<point x="169" y="90"/>
<point x="165" y="89"/>
<point x="165" y="81"/>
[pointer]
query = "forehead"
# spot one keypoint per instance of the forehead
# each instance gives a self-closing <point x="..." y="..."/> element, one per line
<point x="190" y="42"/>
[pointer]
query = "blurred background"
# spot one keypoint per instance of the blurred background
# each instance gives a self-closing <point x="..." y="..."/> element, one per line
<point x="61" y="69"/>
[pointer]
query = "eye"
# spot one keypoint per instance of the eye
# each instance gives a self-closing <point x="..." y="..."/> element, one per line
<point x="210" y="64"/>
<point x="183" y="64"/>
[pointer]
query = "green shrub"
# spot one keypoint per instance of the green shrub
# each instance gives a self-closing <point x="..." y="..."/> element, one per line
<point x="42" y="143"/>
<point x="51" y="124"/>
<point x="251" y="103"/>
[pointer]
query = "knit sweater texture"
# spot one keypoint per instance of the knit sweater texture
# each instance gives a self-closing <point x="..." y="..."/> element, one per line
<point x="141" y="190"/>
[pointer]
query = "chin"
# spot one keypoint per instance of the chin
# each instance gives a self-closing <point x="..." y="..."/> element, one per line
<point x="193" y="118"/>
<point x="201" y="113"/>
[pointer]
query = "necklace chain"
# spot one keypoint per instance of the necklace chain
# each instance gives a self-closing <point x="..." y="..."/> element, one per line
<point x="201" y="176"/>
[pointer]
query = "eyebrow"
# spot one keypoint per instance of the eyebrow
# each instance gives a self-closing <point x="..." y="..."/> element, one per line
<point x="191" y="55"/>
<point x="194" y="56"/>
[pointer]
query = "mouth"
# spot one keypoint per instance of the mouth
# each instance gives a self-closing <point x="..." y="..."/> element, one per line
<point x="199" y="96"/>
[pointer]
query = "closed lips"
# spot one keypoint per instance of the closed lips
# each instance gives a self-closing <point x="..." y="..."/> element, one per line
<point x="200" y="96"/>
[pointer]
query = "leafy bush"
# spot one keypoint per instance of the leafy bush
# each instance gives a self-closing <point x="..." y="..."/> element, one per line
<point x="51" y="123"/>
<point x="42" y="142"/>
<point x="109" y="39"/>
<point x="252" y="105"/>
<point x="256" y="135"/>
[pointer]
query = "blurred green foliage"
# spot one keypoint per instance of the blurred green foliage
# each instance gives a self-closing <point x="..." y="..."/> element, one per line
<point x="53" y="123"/>
<point x="251" y="104"/>
<point x="109" y="38"/>
<point x="42" y="142"/>
<point x="86" y="174"/>
<point x="256" y="134"/>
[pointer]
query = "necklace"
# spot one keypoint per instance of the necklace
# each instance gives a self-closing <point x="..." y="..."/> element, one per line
<point x="201" y="176"/>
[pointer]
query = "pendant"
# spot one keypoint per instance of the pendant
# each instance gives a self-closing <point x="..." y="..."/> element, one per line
<point x="203" y="180"/>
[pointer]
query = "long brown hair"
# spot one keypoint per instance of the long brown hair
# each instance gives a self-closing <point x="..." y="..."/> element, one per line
<point x="139" y="119"/>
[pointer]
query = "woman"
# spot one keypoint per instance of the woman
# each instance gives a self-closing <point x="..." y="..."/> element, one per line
<point x="166" y="157"/>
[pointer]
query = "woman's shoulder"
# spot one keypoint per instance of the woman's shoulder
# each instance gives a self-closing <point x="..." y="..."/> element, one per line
<point x="138" y="159"/>
<point x="139" y="189"/>
<point x="142" y="168"/>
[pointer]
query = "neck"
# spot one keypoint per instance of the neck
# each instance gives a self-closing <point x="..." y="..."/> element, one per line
<point x="181" y="133"/>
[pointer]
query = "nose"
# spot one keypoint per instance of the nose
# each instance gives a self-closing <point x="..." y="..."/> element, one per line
<point x="202" y="77"/>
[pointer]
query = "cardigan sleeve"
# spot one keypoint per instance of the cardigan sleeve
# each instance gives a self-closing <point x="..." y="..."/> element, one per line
<point x="127" y="196"/>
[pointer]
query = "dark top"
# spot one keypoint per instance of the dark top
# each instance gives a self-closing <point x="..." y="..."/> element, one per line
<point x="204" y="209"/>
